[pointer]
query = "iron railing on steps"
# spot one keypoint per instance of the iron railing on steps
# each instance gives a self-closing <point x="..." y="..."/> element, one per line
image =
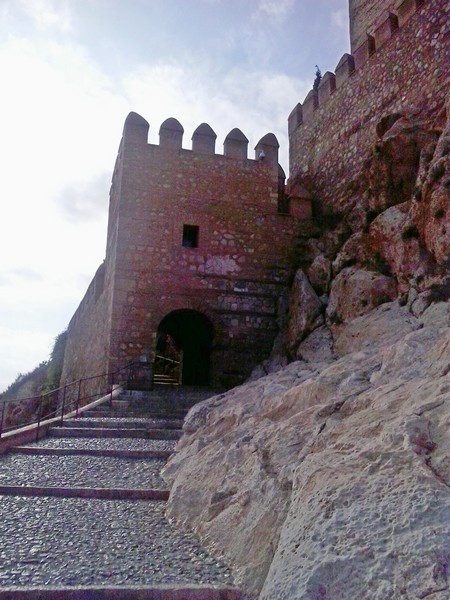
<point x="69" y="398"/>
<point x="168" y="369"/>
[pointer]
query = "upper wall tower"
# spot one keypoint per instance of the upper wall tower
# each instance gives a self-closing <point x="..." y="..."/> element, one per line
<point x="364" y="16"/>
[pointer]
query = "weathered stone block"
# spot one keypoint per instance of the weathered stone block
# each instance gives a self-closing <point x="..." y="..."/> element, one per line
<point x="295" y="118"/>
<point x="406" y="8"/>
<point x="326" y="87"/>
<point x="204" y="139"/>
<point x="235" y="144"/>
<point x="386" y="29"/>
<point x="364" y="52"/>
<point x="344" y="69"/>
<point x="310" y="104"/>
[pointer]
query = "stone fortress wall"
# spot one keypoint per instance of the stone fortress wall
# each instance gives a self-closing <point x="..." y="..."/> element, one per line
<point x="233" y="273"/>
<point x="399" y="65"/>
<point x="245" y="223"/>
<point x="366" y="16"/>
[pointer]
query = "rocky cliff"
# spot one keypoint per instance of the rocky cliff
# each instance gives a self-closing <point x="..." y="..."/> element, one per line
<point x="327" y="477"/>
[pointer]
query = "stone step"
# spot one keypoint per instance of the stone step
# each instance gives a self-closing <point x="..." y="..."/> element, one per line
<point x="124" y="413"/>
<point x="106" y="444"/>
<point x="98" y="479"/>
<point x="57" y="543"/>
<point x="80" y="471"/>
<point x="82" y="492"/>
<point x="126" y="423"/>
<point x="146" y="407"/>
<point x="130" y="592"/>
<point x="162" y="379"/>
<point x="105" y="432"/>
<point x="107" y="453"/>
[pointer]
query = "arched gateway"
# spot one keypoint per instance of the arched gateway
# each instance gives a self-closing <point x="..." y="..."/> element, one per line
<point x="183" y="348"/>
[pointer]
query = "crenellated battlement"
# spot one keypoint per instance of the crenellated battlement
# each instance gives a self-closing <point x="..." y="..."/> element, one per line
<point x="203" y="139"/>
<point x="387" y="25"/>
<point x="400" y="69"/>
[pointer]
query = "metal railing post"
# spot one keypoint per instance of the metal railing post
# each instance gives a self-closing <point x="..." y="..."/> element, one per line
<point x="63" y="403"/>
<point x="78" y="398"/>
<point x="180" y="373"/>
<point x="112" y="388"/>
<point x="39" y="415"/>
<point x="130" y="376"/>
<point x="2" y="417"/>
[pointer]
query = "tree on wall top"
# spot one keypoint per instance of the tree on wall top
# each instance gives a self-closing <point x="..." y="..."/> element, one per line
<point x="318" y="78"/>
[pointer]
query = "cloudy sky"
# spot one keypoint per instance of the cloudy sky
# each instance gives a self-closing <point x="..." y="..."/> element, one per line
<point x="72" y="70"/>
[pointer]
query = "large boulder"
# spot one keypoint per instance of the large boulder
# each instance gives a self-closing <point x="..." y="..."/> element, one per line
<point x="330" y="479"/>
<point x="319" y="274"/>
<point x="394" y="164"/>
<point x="356" y="291"/>
<point x="431" y="211"/>
<point x="399" y="244"/>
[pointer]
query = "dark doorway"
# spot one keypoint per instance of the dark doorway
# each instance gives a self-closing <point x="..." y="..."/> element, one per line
<point x="190" y="333"/>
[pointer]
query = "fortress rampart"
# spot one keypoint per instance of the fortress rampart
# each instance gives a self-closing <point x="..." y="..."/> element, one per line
<point x="200" y="245"/>
<point x="190" y="231"/>
<point x="367" y="15"/>
<point x="402" y="66"/>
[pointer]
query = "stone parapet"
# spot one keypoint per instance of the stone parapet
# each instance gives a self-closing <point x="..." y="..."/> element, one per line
<point x="388" y="24"/>
<point x="395" y="70"/>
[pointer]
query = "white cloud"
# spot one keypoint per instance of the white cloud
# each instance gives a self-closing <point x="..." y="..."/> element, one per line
<point x="193" y="93"/>
<point x="275" y="9"/>
<point x="47" y="14"/>
<point x="61" y="123"/>
<point x="339" y="18"/>
<point x="26" y="348"/>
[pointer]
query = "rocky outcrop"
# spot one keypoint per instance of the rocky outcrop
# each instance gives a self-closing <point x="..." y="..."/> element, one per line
<point x="392" y="237"/>
<point x="330" y="478"/>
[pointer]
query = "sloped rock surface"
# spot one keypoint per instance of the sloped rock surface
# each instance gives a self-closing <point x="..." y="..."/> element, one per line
<point x="330" y="479"/>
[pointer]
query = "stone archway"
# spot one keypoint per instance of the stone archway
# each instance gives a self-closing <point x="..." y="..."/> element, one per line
<point x="190" y="333"/>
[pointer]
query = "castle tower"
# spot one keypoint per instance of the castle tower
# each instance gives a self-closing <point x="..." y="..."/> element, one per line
<point x="198" y="253"/>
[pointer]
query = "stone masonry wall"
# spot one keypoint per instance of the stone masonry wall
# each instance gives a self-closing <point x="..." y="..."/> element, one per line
<point x="235" y="276"/>
<point x="364" y="16"/>
<point x="333" y="131"/>
<point x="87" y="333"/>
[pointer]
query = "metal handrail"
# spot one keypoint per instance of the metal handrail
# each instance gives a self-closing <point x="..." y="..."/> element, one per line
<point x="177" y="362"/>
<point x="175" y="367"/>
<point x="51" y="405"/>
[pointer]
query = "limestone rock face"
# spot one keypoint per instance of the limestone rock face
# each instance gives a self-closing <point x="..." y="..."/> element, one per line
<point x="305" y="311"/>
<point x="394" y="165"/>
<point x="319" y="274"/>
<point x="330" y="479"/>
<point x="398" y="220"/>
<point x="355" y="292"/>
<point x="432" y="212"/>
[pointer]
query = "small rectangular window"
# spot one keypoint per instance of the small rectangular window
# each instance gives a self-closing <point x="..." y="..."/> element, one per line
<point x="283" y="203"/>
<point x="190" y="236"/>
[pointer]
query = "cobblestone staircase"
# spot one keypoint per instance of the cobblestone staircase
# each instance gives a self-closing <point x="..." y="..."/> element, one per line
<point x="82" y="511"/>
